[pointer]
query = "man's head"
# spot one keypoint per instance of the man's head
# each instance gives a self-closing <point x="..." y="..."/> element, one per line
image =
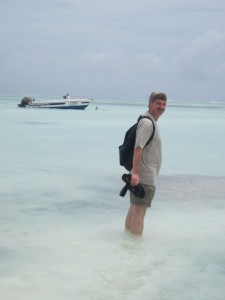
<point x="157" y="104"/>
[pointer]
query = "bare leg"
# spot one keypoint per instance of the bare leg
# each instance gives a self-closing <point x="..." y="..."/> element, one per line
<point x="129" y="218"/>
<point x="135" y="218"/>
<point x="137" y="223"/>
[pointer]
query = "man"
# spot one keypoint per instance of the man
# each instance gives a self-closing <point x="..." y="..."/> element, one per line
<point x="146" y="163"/>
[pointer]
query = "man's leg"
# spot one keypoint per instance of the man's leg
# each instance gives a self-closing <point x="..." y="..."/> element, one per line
<point x="135" y="218"/>
<point x="129" y="218"/>
<point x="137" y="222"/>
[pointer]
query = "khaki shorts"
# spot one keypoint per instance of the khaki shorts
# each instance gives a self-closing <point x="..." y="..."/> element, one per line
<point x="147" y="200"/>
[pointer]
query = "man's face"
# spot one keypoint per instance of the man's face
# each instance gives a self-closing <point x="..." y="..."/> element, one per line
<point x="157" y="108"/>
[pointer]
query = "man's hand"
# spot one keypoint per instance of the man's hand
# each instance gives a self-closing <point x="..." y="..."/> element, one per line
<point x="135" y="179"/>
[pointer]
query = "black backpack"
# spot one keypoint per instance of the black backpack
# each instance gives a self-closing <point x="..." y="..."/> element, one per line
<point x="126" y="151"/>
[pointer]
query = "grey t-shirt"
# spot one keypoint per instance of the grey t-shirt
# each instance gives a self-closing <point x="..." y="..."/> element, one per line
<point x="152" y="153"/>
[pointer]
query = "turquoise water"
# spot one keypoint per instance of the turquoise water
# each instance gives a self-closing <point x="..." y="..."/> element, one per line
<point x="61" y="218"/>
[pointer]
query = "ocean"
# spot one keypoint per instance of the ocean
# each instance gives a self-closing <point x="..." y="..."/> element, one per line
<point x="62" y="219"/>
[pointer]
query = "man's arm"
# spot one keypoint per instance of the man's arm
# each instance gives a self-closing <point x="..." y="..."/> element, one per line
<point x="136" y="166"/>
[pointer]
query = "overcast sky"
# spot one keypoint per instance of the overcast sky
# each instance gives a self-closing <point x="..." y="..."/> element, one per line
<point x="113" y="48"/>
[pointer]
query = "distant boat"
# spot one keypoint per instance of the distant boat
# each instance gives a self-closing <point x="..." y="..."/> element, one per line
<point x="65" y="103"/>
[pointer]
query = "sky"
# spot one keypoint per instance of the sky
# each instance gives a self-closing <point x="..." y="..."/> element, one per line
<point x="113" y="48"/>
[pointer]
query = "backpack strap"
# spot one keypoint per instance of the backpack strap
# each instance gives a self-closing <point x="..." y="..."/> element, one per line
<point x="153" y="131"/>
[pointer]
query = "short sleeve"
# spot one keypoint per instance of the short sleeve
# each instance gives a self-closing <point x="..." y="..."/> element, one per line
<point x="144" y="131"/>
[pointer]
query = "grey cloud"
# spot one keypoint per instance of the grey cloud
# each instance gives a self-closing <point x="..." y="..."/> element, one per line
<point x="203" y="57"/>
<point x="114" y="47"/>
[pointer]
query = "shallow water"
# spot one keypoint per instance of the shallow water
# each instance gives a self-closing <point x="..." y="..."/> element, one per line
<point x="62" y="220"/>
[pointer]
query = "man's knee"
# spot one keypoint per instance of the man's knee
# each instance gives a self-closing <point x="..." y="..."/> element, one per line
<point x="140" y="210"/>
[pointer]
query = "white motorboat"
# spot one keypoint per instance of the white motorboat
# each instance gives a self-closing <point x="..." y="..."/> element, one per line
<point x="65" y="103"/>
